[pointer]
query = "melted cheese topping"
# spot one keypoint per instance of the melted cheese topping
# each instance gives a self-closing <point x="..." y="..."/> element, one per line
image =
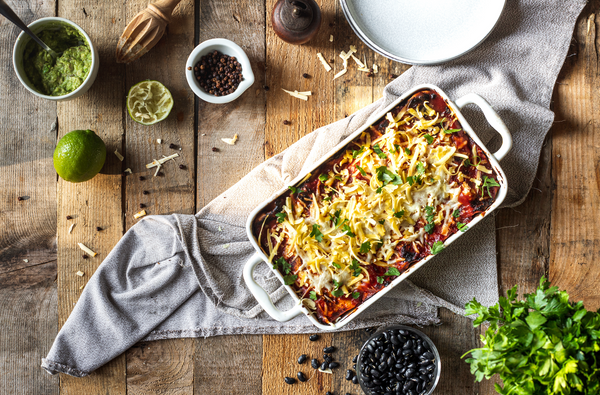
<point x="386" y="191"/>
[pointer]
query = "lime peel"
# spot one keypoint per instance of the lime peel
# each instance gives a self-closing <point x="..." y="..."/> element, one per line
<point x="149" y="102"/>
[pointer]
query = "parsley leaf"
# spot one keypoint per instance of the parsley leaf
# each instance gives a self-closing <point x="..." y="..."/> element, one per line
<point x="312" y="295"/>
<point x="355" y="267"/>
<point x="437" y="247"/>
<point x="381" y="222"/>
<point x="281" y="216"/>
<point x="386" y="176"/>
<point x="335" y="218"/>
<point x="323" y="177"/>
<point x="392" y="271"/>
<point x="379" y="152"/>
<point x="356" y="153"/>
<point x="362" y="172"/>
<point x="462" y="227"/>
<point x="356" y="295"/>
<point x="450" y="131"/>
<point x="380" y="280"/>
<point x="282" y="265"/>
<point x="293" y="189"/>
<point x="365" y="247"/>
<point x="456" y="213"/>
<point x="337" y="293"/>
<point x="487" y="183"/>
<point x="336" y="265"/>
<point x="429" y="138"/>
<point x="399" y="214"/>
<point x="413" y="180"/>
<point x="396" y="148"/>
<point x="316" y="233"/>
<point x="290" y="279"/>
<point x="348" y="230"/>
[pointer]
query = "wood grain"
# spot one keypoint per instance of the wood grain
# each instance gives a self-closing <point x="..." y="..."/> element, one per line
<point x="98" y="202"/>
<point x="575" y="237"/>
<point x="163" y="366"/>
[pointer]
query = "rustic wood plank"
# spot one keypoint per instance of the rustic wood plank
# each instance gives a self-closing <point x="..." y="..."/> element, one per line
<point x="28" y="315"/>
<point x="575" y="229"/>
<point x="228" y="364"/>
<point x="95" y="203"/>
<point x="163" y="366"/>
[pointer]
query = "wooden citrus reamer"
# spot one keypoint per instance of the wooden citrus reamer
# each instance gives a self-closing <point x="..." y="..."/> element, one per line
<point x="145" y="30"/>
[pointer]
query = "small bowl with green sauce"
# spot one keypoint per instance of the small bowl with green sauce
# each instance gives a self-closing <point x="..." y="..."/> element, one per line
<point x="64" y="78"/>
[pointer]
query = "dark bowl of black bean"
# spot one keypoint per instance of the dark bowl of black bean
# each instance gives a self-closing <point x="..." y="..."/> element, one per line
<point x="399" y="360"/>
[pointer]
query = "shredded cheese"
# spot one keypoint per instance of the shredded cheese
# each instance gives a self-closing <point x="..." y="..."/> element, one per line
<point x="296" y="94"/>
<point x="341" y="73"/>
<point x="80" y="273"/>
<point x="331" y="38"/>
<point x="161" y="161"/>
<point x="71" y="228"/>
<point x="324" y="62"/>
<point x="118" y="154"/>
<point x="231" y="141"/>
<point x="87" y="250"/>
<point x="140" y="214"/>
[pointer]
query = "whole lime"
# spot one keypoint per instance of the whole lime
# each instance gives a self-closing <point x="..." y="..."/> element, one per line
<point x="79" y="156"/>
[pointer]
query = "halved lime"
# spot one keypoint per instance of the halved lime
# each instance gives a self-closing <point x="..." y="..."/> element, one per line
<point x="149" y="102"/>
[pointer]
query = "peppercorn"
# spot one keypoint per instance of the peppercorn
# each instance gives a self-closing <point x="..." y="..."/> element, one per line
<point x="215" y="149"/>
<point x="142" y="178"/>
<point x="98" y="228"/>
<point x="145" y="192"/>
<point x="172" y="146"/>
<point x="392" y="76"/>
<point x="85" y="256"/>
<point x="286" y="122"/>
<point x="266" y="88"/>
<point x="20" y="198"/>
<point x="305" y="75"/>
<point x="182" y="167"/>
<point x="142" y="205"/>
<point x="69" y="217"/>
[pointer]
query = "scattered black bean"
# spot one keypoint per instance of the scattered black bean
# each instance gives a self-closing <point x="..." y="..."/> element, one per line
<point x="313" y="338"/>
<point x="355" y="380"/>
<point x="302" y="358"/>
<point x="355" y="359"/>
<point x="324" y="366"/>
<point x="172" y="146"/>
<point x="301" y="377"/>
<point x="218" y="74"/>
<point x="349" y="374"/>
<point x="328" y="393"/>
<point x="333" y="365"/>
<point x="327" y="358"/>
<point x="289" y="380"/>
<point x="314" y="363"/>
<point x="329" y="350"/>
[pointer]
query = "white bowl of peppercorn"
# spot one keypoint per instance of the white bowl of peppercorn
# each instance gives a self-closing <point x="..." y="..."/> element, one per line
<point x="218" y="71"/>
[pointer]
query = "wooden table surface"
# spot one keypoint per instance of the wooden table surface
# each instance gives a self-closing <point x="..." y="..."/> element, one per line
<point x="555" y="232"/>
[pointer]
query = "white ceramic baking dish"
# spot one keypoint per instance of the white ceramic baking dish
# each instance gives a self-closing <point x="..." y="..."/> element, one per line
<point x="493" y="119"/>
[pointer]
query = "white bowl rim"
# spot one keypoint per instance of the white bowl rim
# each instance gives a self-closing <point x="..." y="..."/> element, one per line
<point x="23" y="35"/>
<point x="241" y="56"/>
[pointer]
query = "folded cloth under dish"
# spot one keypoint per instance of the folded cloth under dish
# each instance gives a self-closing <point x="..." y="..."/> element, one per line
<point x="181" y="275"/>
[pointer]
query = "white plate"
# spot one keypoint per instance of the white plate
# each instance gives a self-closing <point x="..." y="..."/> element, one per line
<point x="422" y="32"/>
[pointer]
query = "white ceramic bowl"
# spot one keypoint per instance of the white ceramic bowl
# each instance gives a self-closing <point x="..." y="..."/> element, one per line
<point x="228" y="48"/>
<point x="23" y="40"/>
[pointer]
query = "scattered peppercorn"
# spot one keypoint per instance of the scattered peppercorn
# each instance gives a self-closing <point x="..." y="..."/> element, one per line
<point x="189" y="67"/>
<point x="182" y="167"/>
<point x="370" y="74"/>
<point x="145" y="192"/>
<point x="392" y="76"/>
<point x="20" y="198"/>
<point x="98" y="228"/>
<point x="85" y="256"/>
<point x="215" y="149"/>
<point x="218" y="74"/>
<point x="142" y="178"/>
<point x="305" y="75"/>
<point x="160" y="174"/>
<point x="172" y="146"/>
<point x="286" y="122"/>
<point x="142" y="205"/>
<point x="69" y="217"/>
<point x="266" y="88"/>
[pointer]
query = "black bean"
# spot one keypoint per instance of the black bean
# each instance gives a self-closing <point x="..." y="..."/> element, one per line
<point x="324" y="366"/>
<point x="382" y="367"/>
<point x="408" y="385"/>
<point x="430" y="368"/>
<point x="412" y="365"/>
<point x="329" y="350"/>
<point x="428" y="355"/>
<point x="333" y="365"/>
<point x="376" y="381"/>
<point x="327" y="358"/>
<point x="408" y="345"/>
<point x="370" y="347"/>
<point x="354" y="366"/>
<point x="426" y="346"/>
<point x="407" y="352"/>
<point x="313" y="338"/>
<point x="430" y="375"/>
<point x="328" y="393"/>
<point x="394" y="340"/>
<point x="301" y="377"/>
<point x="375" y="373"/>
<point x="425" y="362"/>
<point x="399" y="377"/>
<point x="314" y="363"/>
<point x="302" y="359"/>
<point x="391" y="360"/>
<point x="289" y="380"/>
<point x="355" y="380"/>
<point x="355" y="359"/>
<point x="409" y="373"/>
<point x="349" y="374"/>
<point x="423" y="370"/>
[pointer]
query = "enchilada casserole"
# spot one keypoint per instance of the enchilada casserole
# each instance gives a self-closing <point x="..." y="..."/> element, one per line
<point x="385" y="201"/>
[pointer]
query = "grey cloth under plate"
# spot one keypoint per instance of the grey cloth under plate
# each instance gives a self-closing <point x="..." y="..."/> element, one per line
<point x="181" y="275"/>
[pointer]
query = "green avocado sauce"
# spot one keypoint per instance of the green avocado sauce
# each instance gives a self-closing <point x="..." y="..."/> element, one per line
<point x="57" y="77"/>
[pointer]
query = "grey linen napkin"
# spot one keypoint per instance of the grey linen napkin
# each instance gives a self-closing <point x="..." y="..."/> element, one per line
<point x="181" y="275"/>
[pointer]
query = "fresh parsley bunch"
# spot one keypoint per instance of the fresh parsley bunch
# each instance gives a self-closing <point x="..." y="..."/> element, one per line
<point x="541" y="345"/>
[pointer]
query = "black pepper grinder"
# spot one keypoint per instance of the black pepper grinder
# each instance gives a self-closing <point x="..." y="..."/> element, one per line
<point x="296" y="21"/>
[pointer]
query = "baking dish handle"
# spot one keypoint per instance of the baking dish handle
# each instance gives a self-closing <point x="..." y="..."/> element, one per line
<point x="493" y="119"/>
<point x="261" y="295"/>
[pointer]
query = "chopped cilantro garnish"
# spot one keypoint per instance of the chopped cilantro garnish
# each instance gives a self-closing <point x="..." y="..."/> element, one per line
<point x="356" y="153"/>
<point x="378" y="190"/>
<point x="399" y="214"/>
<point x="316" y="233"/>
<point x="283" y="266"/>
<point x="467" y="162"/>
<point x="420" y="168"/>
<point x="462" y="227"/>
<point x="429" y="228"/>
<point x="456" y="213"/>
<point x="437" y="247"/>
<point x="281" y="216"/>
<point x="293" y="189"/>
<point x="397" y="148"/>
<point x="379" y="152"/>
<point x="336" y="265"/>
<point x="450" y="131"/>
<point x="355" y="267"/>
<point x="380" y="280"/>
<point x="290" y="279"/>
<point x="392" y="271"/>
<point x="312" y="295"/>
<point x="337" y="293"/>
<point x="429" y="139"/>
<point x="407" y="151"/>
<point x="381" y="222"/>
<point x="413" y="180"/>
<point x="430" y="218"/>
<point x="386" y="176"/>
<point x="323" y="177"/>
<point x="487" y="183"/>
<point x="356" y="295"/>
<point x="348" y="230"/>
<point x="364" y="173"/>
<point x="335" y="218"/>
<point x="327" y="198"/>
<point x="336" y="284"/>
<point x="338" y="178"/>
<point x="365" y="247"/>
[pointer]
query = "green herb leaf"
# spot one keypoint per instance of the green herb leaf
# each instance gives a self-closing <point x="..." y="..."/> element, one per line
<point x="355" y="267"/>
<point x="450" y="131"/>
<point x="429" y="228"/>
<point x="293" y="189"/>
<point x="386" y="176"/>
<point x="467" y="162"/>
<point x="281" y="216"/>
<point x="338" y="178"/>
<point x="336" y="284"/>
<point x="380" y="280"/>
<point x="437" y="247"/>
<point x="365" y="247"/>
<point x="381" y="222"/>
<point x="282" y="265"/>
<point x="456" y="213"/>
<point x="337" y="293"/>
<point x="397" y="148"/>
<point x="356" y="153"/>
<point x="336" y="265"/>
<point x="487" y="183"/>
<point x="392" y="271"/>
<point x="335" y="218"/>
<point x="429" y="139"/>
<point x="348" y="230"/>
<point x="356" y="295"/>
<point x="362" y="172"/>
<point x="323" y="177"/>
<point x="399" y="214"/>
<point x="462" y="227"/>
<point x="379" y="152"/>
<point x="316" y="233"/>
<point x="290" y="279"/>
<point x="312" y="295"/>
<point x="407" y="151"/>
<point x="420" y="168"/>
